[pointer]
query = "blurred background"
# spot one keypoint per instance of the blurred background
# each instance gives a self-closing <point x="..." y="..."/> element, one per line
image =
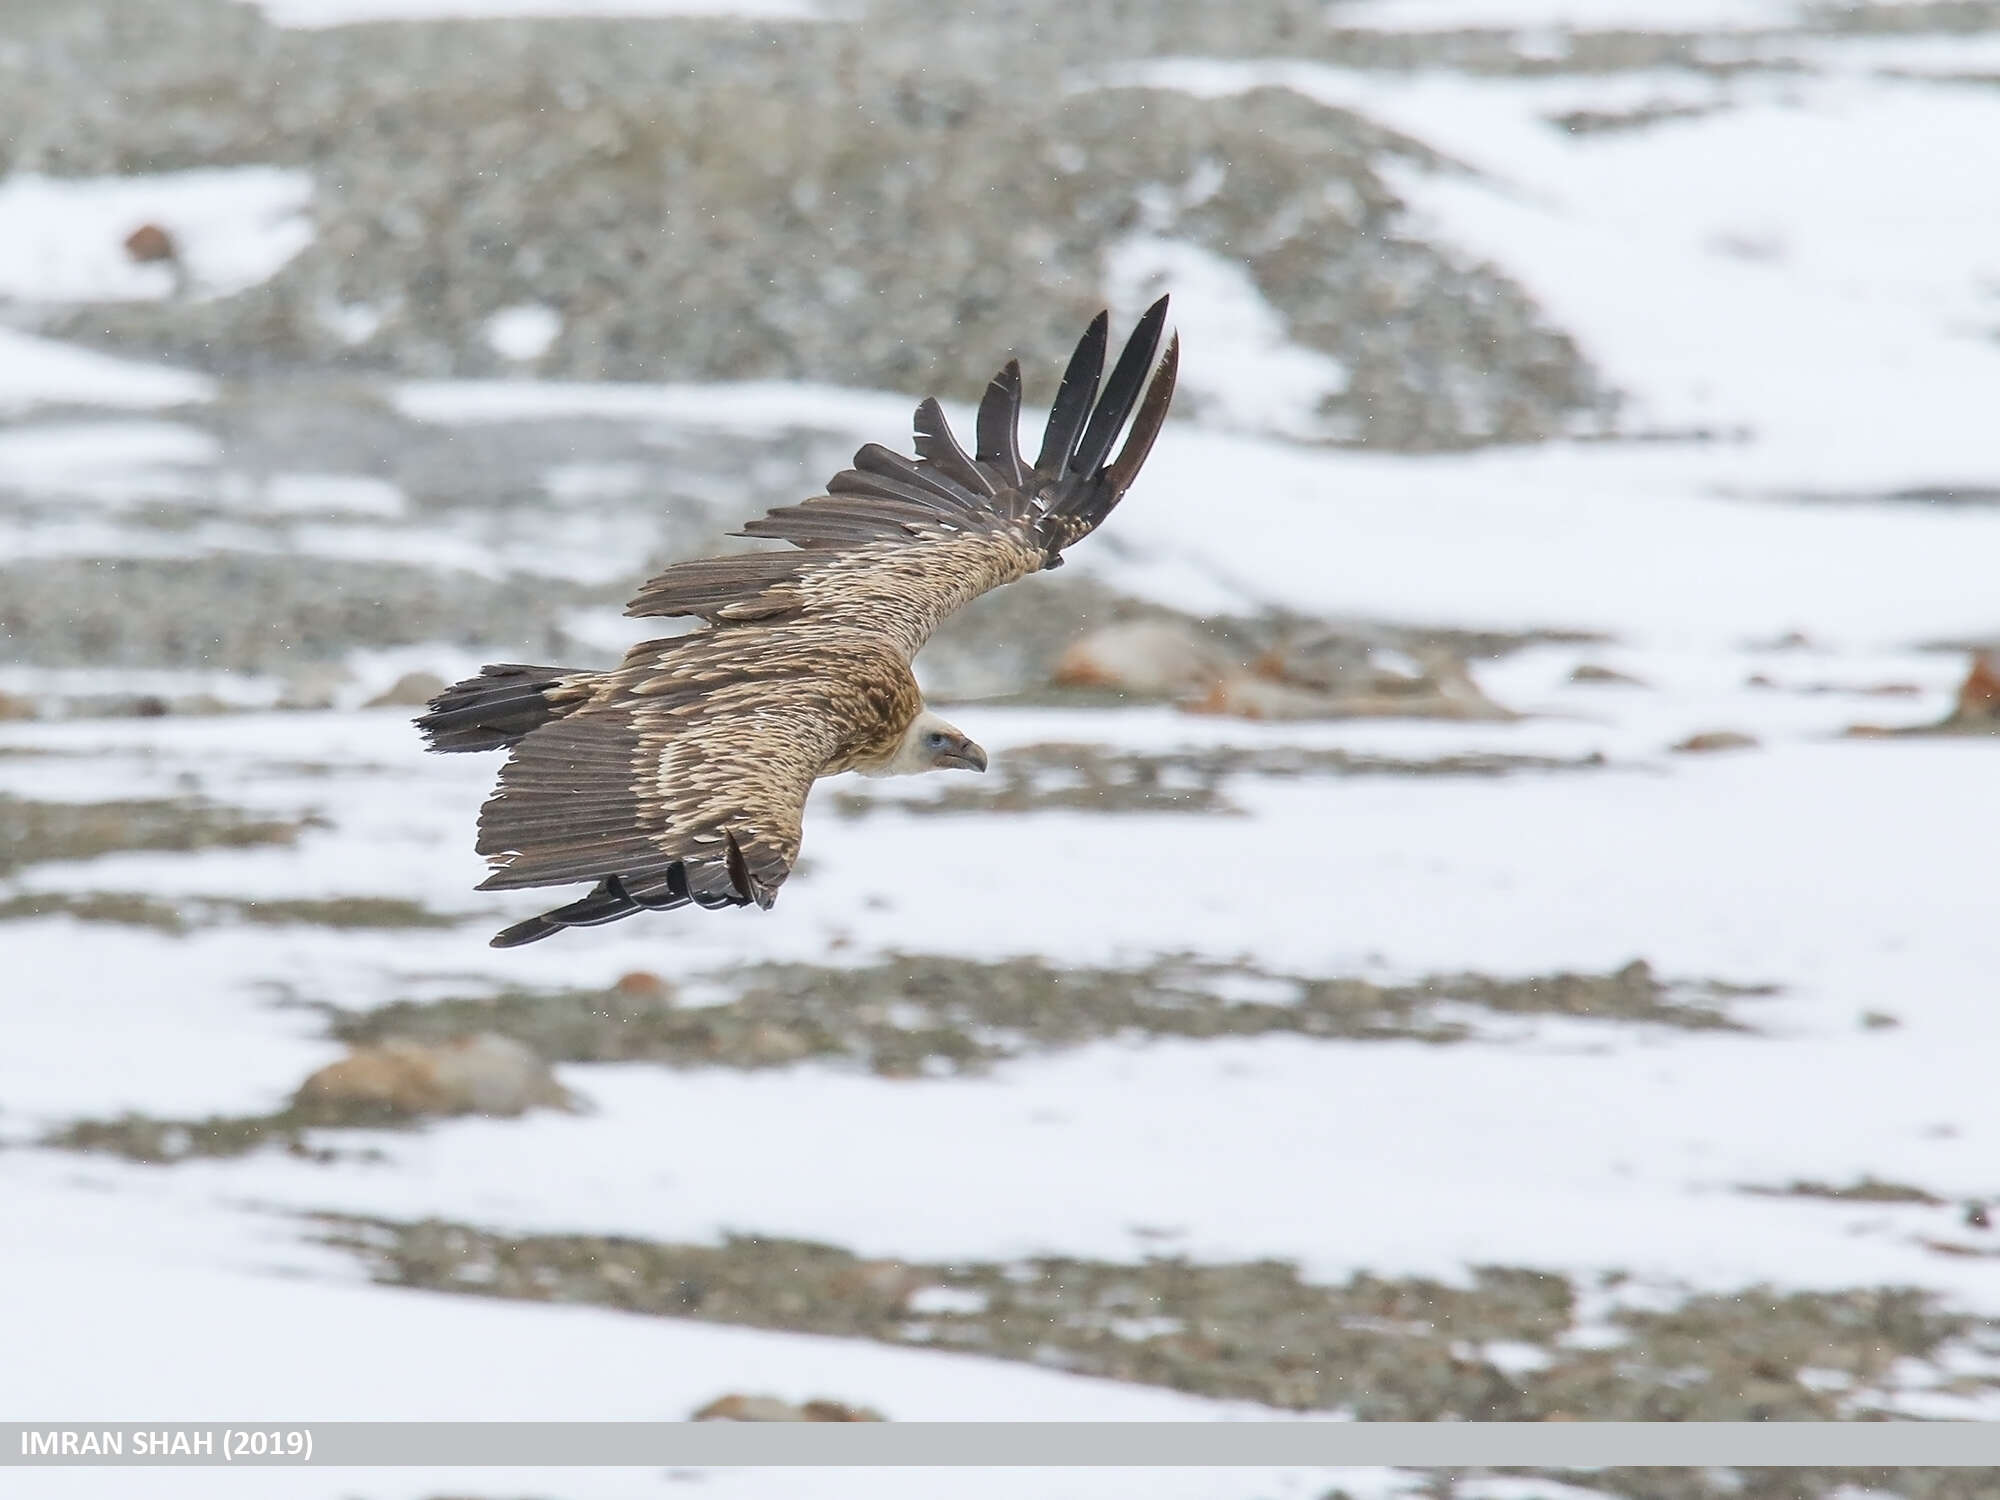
<point x="1483" y="907"/>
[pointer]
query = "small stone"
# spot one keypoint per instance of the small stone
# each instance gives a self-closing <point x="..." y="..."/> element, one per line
<point x="411" y="690"/>
<point x="14" y="706"/>
<point x="889" y="1280"/>
<point x="1976" y="1216"/>
<point x="1593" y="673"/>
<point x="772" y="1045"/>
<point x="641" y="984"/>
<point x="1878" y="1020"/>
<point x="149" y="243"/>
<point x="1715" y="739"/>
<point x="737" y="1407"/>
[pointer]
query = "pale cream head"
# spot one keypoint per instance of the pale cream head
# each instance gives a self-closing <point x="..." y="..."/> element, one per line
<point x="930" y="744"/>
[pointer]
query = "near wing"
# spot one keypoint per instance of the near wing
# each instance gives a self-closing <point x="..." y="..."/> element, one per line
<point x="685" y="783"/>
<point x="897" y="544"/>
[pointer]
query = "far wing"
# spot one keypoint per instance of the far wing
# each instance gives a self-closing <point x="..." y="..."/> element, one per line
<point x="897" y="544"/>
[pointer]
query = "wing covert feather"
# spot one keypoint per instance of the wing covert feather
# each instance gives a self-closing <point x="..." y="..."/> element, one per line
<point x="898" y="544"/>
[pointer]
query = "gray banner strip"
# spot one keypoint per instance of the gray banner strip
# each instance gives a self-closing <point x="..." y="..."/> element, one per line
<point x="994" y="1444"/>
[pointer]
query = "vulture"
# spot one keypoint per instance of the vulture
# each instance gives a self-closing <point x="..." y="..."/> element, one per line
<point x="680" y="776"/>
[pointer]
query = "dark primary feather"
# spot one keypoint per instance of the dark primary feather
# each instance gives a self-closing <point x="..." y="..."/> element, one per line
<point x="499" y="706"/>
<point x="1073" y="398"/>
<point x="999" y="427"/>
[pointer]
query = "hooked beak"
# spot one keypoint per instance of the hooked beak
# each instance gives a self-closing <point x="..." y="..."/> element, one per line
<point x="970" y="758"/>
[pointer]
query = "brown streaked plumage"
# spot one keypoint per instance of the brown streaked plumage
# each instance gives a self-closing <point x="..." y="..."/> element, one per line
<point x="681" y="775"/>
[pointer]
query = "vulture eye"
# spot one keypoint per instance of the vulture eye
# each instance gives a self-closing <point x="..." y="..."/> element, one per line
<point x="935" y="740"/>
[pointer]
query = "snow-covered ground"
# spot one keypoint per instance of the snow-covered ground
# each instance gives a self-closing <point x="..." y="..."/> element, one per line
<point x="62" y="239"/>
<point x="1793" y="285"/>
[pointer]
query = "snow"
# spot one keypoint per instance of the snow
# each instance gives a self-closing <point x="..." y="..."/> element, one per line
<point x="523" y="333"/>
<point x="42" y="372"/>
<point x="324" y="13"/>
<point x="1251" y="377"/>
<point x="63" y="239"/>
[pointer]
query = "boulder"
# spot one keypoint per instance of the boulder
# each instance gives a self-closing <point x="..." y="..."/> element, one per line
<point x="483" y="1074"/>
<point x="1146" y="658"/>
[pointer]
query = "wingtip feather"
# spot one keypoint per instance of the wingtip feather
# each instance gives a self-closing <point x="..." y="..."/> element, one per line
<point x="1074" y="397"/>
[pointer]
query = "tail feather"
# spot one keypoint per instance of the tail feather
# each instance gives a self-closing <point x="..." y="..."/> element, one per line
<point x="501" y="705"/>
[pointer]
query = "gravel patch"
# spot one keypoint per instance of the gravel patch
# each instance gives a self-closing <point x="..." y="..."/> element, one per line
<point x="187" y="914"/>
<point x="1094" y="778"/>
<point x="33" y="832"/>
<point x="1509" y="1346"/>
<point x="918" y="1015"/>
<point x="262" y="612"/>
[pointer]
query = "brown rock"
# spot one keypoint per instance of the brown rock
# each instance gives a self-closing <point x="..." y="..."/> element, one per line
<point x="1247" y="697"/>
<point x="411" y="690"/>
<point x="14" y="706"/>
<point x="149" y="243"/>
<point x="485" y="1074"/>
<point x="1148" y="658"/>
<point x="642" y="985"/>
<point x="741" y="1408"/>
<point x="1979" y="695"/>
<point x="1716" y="739"/>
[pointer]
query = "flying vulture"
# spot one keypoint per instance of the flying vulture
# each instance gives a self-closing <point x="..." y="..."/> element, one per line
<point x="681" y="775"/>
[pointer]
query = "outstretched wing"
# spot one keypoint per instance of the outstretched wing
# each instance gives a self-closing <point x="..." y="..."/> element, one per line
<point x="684" y="781"/>
<point x="897" y="544"/>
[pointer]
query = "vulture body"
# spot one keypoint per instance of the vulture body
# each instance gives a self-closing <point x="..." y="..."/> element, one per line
<point x="680" y="776"/>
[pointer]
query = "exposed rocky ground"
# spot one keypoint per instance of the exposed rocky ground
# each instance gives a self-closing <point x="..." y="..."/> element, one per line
<point x="1508" y="1347"/>
<point x="911" y="1016"/>
<point x="670" y="250"/>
